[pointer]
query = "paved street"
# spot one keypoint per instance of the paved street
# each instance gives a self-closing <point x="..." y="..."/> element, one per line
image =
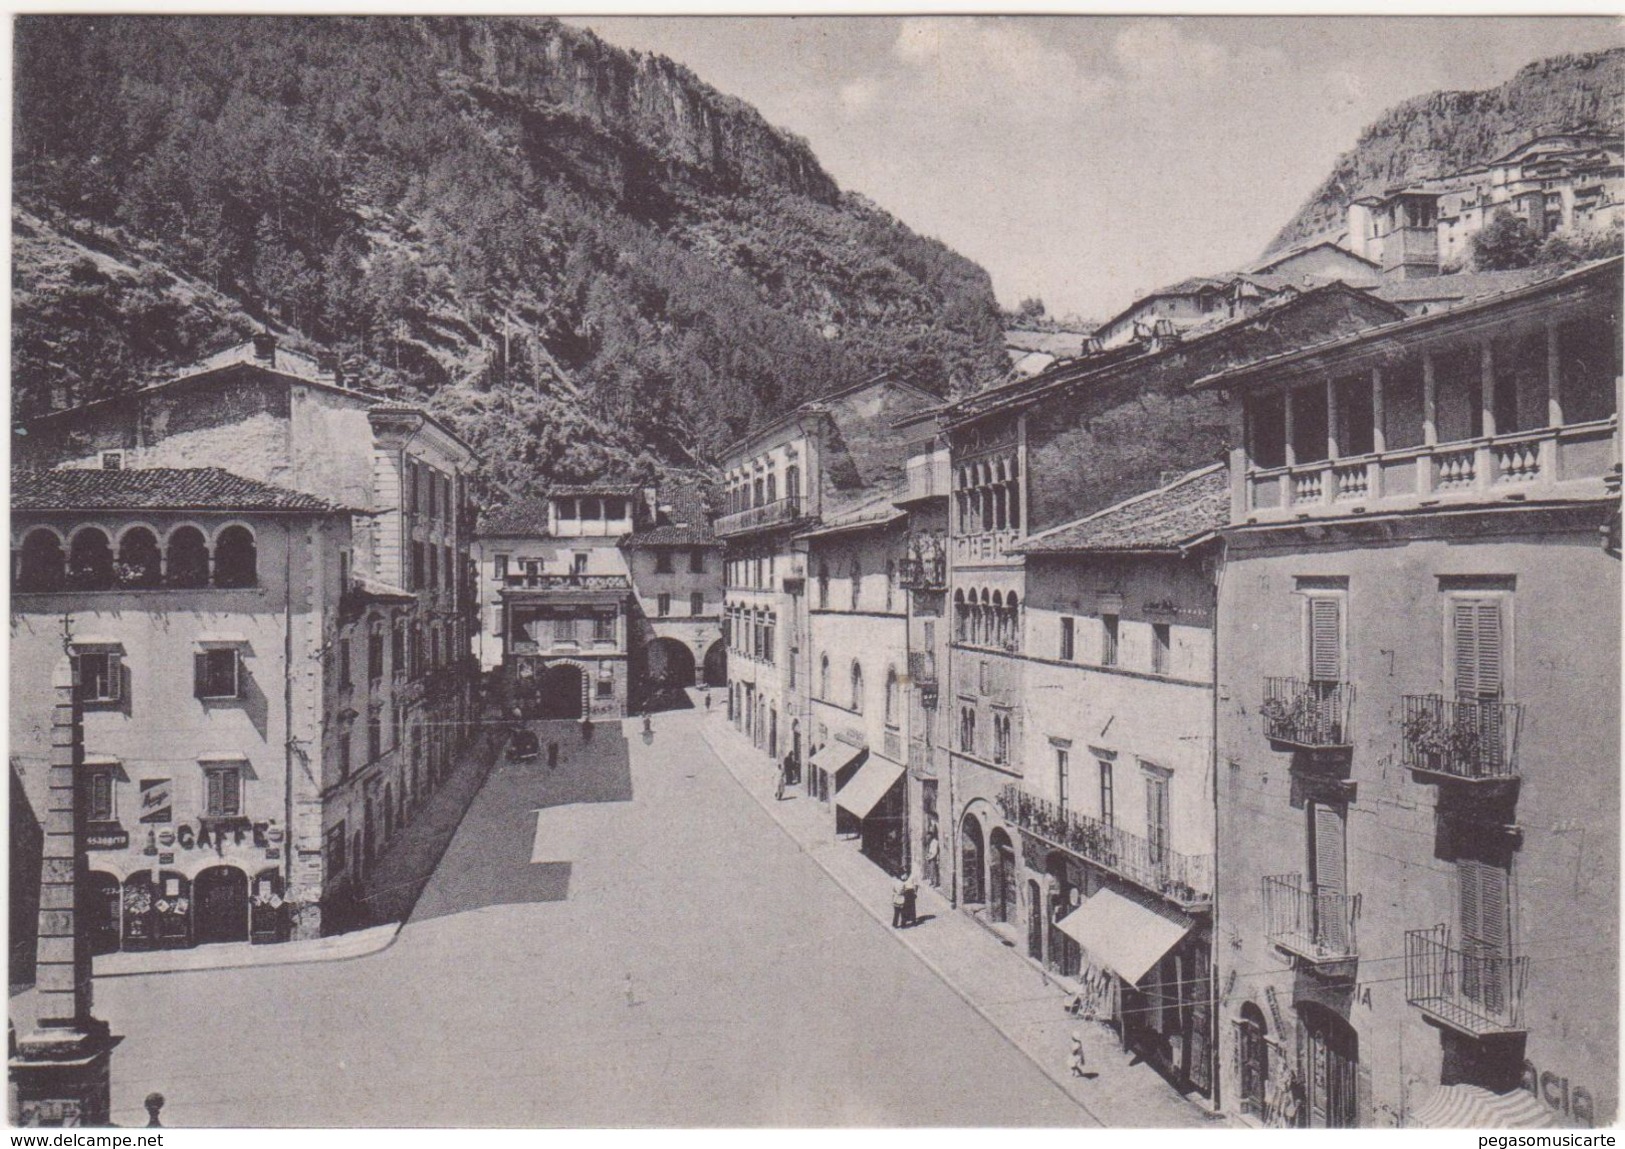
<point x="660" y="953"/>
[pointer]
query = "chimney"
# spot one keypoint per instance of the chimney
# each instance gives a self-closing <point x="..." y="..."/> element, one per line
<point x="265" y="347"/>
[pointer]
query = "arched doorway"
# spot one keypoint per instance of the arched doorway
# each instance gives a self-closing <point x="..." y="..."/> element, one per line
<point x="716" y="664"/>
<point x="1255" y="1059"/>
<point x="1331" y="1068"/>
<point x="560" y="688"/>
<point x="222" y="905"/>
<point x="970" y="860"/>
<point x="106" y="900"/>
<point x="671" y="665"/>
<point x="1001" y="876"/>
<point x="267" y="916"/>
<point x="1065" y="955"/>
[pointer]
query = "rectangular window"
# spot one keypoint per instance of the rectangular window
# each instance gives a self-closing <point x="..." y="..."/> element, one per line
<point x="344" y="662"/>
<point x="662" y="562"/>
<point x="418" y="580"/>
<point x="411" y="487"/>
<point x="1161" y="641"/>
<point x="1156" y="817"/>
<point x="334" y="849"/>
<point x="696" y="603"/>
<point x="375" y="655"/>
<point x="1325" y="638"/>
<point x="99" y="676"/>
<point x="580" y="561"/>
<point x="663" y="605"/>
<point x="603" y="628"/>
<point x="696" y="562"/>
<point x="1108" y="640"/>
<point x="499" y="567"/>
<point x="344" y="571"/>
<point x="1478" y="648"/>
<point x="1108" y="799"/>
<point x="606" y="686"/>
<point x="344" y="753"/>
<point x="375" y="735"/>
<point x="99" y="796"/>
<point x="1068" y="637"/>
<point x="1063" y="777"/>
<point x="224" y="791"/>
<point x="434" y="566"/>
<point x="397" y="650"/>
<point x="216" y="674"/>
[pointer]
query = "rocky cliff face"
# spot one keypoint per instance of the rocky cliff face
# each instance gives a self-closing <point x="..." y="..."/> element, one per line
<point x="659" y="104"/>
<point x="586" y="259"/>
<point x="1444" y="132"/>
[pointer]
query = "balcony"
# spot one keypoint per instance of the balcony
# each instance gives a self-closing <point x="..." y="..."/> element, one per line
<point x="784" y="511"/>
<point x="1315" y="928"/>
<point x="1566" y="461"/>
<point x="1479" y="994"/>
<point x="929" y="477"/>
<point x="1307" y="715"/>
<point x="1470" y="740"/>
<point x="923" y="573"/>
<point x="567" y="582"/>
<point x="1186" y="879"/>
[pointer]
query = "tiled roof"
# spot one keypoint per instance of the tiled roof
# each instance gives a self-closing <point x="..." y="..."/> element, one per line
<point x="526" y="517"/>
<point x="871" y="512"/>
<point x="155" y="489"/>
<point x="1167" y="518"/>
<point x="1061" y="344"/>
<point x="1462" y="286"/>
<point x="686" y="523"/>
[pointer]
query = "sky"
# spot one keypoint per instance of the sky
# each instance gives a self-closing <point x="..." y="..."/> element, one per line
<point x="1082" y="159"/>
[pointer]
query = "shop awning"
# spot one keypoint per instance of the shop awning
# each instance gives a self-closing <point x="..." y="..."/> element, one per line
<point x="1474" y="1107"/>
<point x="835" y="757"/>
<point x="868" y="786"/>
<point x="1121" y="935"/>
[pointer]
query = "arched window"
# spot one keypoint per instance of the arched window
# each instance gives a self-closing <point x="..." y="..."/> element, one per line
<point x="857" y="584"/>
<point x="1012" y="608"/>
<point x="792" y="482"/>
<point x="235" y="561"/>
<point x="891" y="696"/>
<point x="138" y="559"/>
<point x="959" y="615"/>
<point x="857" y="687"/>
<point x="984" y="620"/>
<point x="39" y="562"/>
<point x="823" y="676"/>
<point x="187" y="563"/>
<point x="90" y="561"/>
<point x="772" y="486"/>
<point x="996" y="619"/>
<point x="823" y="586"/>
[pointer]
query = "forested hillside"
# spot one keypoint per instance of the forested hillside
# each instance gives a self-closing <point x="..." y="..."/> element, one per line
<point x="1443" y="132"/>
<point x="586" y="258"/>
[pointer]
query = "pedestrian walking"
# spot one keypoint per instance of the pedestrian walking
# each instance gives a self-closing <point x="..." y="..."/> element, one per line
<point x="708" y="700"/>
<point x="911" y="893"/>
<point x="552" y="755"/>
<point x="1074" y="1061"/>
<point x="778" y="789"/>
<point x="899" y="902"/>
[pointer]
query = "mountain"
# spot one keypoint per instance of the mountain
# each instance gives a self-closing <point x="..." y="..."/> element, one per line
<point x="1446" y="131"/>
<point x="585" y="258"/>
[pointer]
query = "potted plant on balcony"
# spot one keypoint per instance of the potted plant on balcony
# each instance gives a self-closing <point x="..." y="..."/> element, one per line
<point x="1275" y="714"/>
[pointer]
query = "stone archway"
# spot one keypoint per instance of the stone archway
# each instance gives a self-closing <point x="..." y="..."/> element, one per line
<point x="670" y="665"/>
<point x="1001" y="880"/>
<point x="221" y="910"/>
<point x="561" y="690"/>
<point x="716" y="664"/>
<point x="971" y="856"/>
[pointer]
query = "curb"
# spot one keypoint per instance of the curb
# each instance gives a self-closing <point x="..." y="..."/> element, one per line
<point x="897" y="935"/>
<point x="390" y="931"/>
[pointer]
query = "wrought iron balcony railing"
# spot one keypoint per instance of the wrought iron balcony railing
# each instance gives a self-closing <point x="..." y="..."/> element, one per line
<point x="785" y="510"/>
<point x="1471" y="739"/>
<point x="1312" y="715"/>
<point x="923" y="573"/>
<point x="1183" y="878"/>
<point x="1474" y="990"/>
<point x="567" y="582"/>
<point x="1313" y="926"/>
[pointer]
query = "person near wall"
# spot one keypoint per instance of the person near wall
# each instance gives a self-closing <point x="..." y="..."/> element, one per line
<point x="1074" y="1060"/>
<point x="899" y="903"/>
<point x="911" y="894"/>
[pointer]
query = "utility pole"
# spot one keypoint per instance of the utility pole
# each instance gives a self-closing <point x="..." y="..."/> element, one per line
<point x="60" y="1069"/>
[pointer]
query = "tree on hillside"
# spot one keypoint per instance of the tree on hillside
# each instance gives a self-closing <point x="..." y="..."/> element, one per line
<point x="1507" y="241"/>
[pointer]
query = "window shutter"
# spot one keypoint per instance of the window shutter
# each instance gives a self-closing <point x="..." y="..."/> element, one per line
<point x="1478" y="641"/>
<point x="1331" y="876"/>
<point x="200" y="675"/>
<point x="1325" y="639"/>
<point x="213" y="799"/>
<point x="115" y="677"/>
<point x="236" y="674"/>
<point x="231" y="792"/>
<point x="1484" y="896"/>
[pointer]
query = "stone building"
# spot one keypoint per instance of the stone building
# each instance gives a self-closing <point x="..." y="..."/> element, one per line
<point x="1418" y="719"/>
<point x="395" y="696"/>
<point x="600" y="599"/>
<point x="822" y="458"/>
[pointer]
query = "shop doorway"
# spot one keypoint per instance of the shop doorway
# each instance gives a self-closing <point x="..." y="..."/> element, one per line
<point x="560" y="687"/>
<point x="1255" y="1059"/>
<point x="1035" y="922"/>
<point x="970" y="860"/>
<point x="222" y="905"/>
<point x="1002" y="877"/>
<point x="1331" y="1055"/>
<point x="106" y="899"/>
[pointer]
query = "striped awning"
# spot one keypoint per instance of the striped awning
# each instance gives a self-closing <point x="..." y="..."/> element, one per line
<point x="1474" y="1107"/>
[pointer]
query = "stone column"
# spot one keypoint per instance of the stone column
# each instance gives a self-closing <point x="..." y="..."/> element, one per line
<point x="59" y="1070"/>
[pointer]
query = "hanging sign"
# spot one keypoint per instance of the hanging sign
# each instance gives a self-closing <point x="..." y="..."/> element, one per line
<point x="156" y="800"/>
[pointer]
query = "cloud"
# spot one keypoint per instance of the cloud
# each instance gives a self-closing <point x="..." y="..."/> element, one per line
<point x="994" y="65"/>
<point x="860" y="95"/>
<point x="1161" y="51"/>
